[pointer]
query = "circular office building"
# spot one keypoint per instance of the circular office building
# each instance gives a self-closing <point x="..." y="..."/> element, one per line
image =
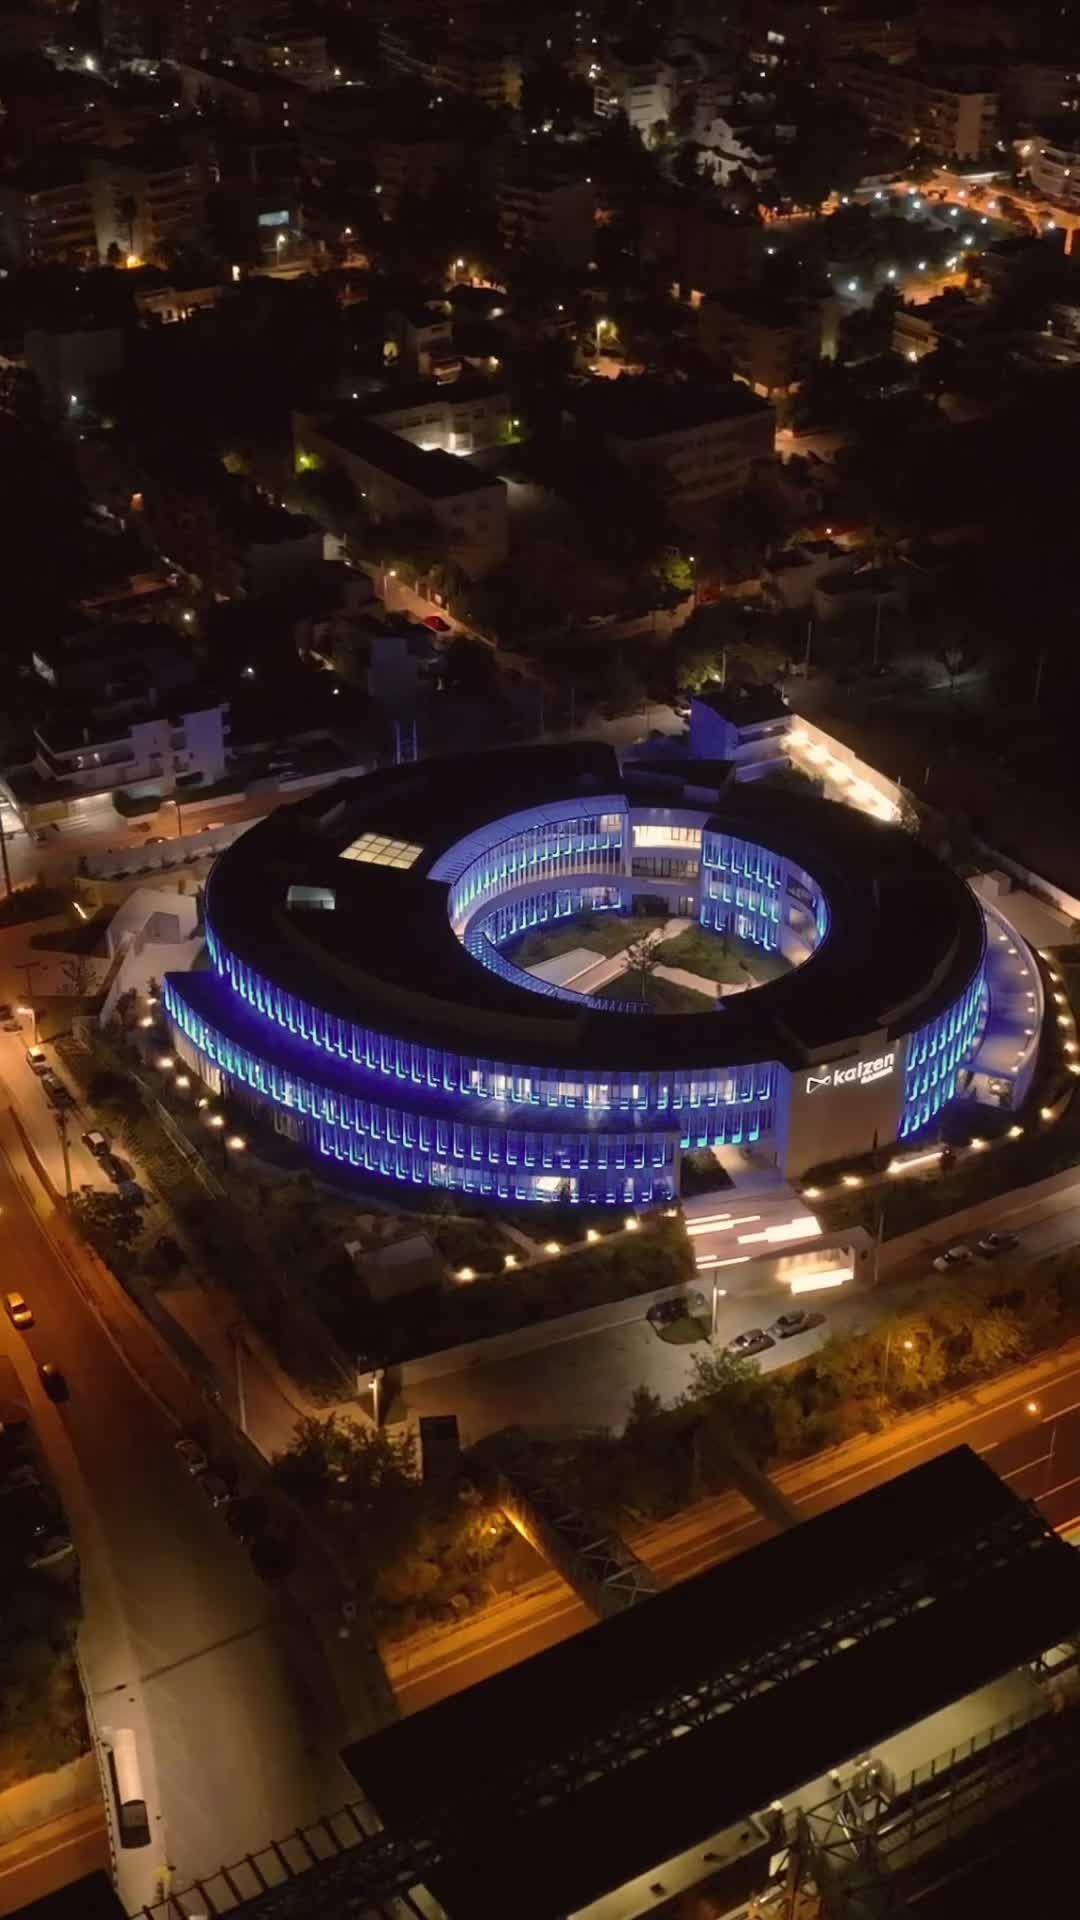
<point x="527" y="975"/>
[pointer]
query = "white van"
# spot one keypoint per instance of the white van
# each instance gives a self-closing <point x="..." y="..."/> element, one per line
<point x="132" y="1823"/>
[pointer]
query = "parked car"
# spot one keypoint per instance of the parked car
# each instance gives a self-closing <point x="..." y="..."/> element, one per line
<point x="53" y="1380"/>
<point x="56" y="1093"/>
<point x="1000" y="1240"/>
<point x="192" y="1455"/>
<point x="952" y="1258"/>
<point x="756" y="1340"/>
<point x="24" y="1475"/>
<point x="51" y="1551"/>
<point x="794" y="1322"/>
<point x="7" y="1011"/>
<point x="17" y="1310"/>
<point x="37" y="1060"/>
<point x="156" y="840"/>
<point x="215" y="1489"/>
<point x="96" y="1143"/>
<point x="664" y="1313"/>
<point x="248" y="1517"/>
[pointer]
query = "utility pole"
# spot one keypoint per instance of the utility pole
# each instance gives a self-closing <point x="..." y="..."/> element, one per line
<point x="809" y="644"/>
<point x="62" y="1129"/>
<point x="241" y="1388"/>
<point x="718" y="1294"/>
<point x="1038" y="679"/>
<point x="27" y="967"/>
<point x="4" y="852"/>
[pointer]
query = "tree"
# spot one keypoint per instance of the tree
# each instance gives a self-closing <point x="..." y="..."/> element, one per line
<point x="362" y="1486"/>
<point x="109" y="1223"/>
<point x="125" y="1008"/>
<point x="686" y="166"/>
<point x="642" y="959"/>
<point x="78" y="975"/>
<point x="128" y="211"/>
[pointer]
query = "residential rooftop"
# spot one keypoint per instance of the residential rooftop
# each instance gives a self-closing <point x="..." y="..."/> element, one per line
<point x="436" y="475"/>
<point x="636" y="408"/>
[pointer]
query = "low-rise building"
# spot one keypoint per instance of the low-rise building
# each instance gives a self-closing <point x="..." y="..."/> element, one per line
<point x="399" y="481"/>
<point x="46" y="213"/>
<point x="215" y="527"/>
<point x="547" y="213"/>
<point x="771" y="344"/>
<point x="1054" y="162"/>
<point x="950" y="112"/>
<point x="709" y="441"/>
<point x="423" y="339"/>
<point x="460" y="416"/>
<point x="86" y="751"/>
<point x="123" y="704"/>
<point x="919" y="330"/>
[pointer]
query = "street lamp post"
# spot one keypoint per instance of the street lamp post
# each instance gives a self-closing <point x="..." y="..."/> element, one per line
<point x="62" y="1129"/>
<point x="27" y="967"/>
<point x="907" y="1345"/>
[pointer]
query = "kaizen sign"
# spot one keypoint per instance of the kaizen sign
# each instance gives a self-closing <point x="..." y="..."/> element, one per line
<point x="861" y="1073"/>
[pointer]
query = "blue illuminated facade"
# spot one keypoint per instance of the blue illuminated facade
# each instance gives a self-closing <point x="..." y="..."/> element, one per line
<point x="935" y="1055"/>
<point x="358" y="1089"/>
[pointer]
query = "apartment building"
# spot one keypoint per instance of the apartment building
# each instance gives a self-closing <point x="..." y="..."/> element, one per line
<point x="950" y="113"/>
<point x="771" y="345"/>
<point x="549" y="214"/>
<point x="710" y="441"/>
<point x="891" y="34"/>
<point x="449" y="62"/>
<point x="41" y="104"/>
<point x="124" y="703"/>
<point x="1054" y="162"/>
<point x="46" y="213"/>
<point x="149" y="198"/>
<point x="709" y="248"/>
<point x="400" y="481"/>
<point x="411" y="161"/>
<point x="234" y="93"/>
<point x="290" y="51"/>
<point x="464" y="416"/>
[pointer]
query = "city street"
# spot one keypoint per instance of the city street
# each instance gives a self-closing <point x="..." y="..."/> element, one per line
<point x="237" y="1722"/>
<point x="1027" y="1426"/>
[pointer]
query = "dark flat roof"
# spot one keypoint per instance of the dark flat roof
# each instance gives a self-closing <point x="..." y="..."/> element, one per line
<point x="437" y="474"/>
<point x="636" y="408"/>
<point x="939" y="1613"/>
<point x="906" y="935"/>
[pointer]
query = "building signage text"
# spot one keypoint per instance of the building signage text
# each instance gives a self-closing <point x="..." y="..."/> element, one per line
<point x="860" y="1073"/>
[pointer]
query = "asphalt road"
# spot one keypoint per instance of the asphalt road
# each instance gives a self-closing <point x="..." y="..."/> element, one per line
<point x="228" y="1696"/>
<point x="52" y="1856"/>
<point x="1030" y="1436"/>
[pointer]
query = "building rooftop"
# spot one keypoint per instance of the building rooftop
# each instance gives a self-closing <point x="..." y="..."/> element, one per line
<point x="636" y="408"/>
<point x="746" y="704"/>
<point x="906" y="935"/>
<point x="436" y="475"/>
<point x="772" y="1667"/>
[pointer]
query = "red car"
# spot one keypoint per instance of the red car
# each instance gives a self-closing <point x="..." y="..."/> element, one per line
<point x="437" y="624"/>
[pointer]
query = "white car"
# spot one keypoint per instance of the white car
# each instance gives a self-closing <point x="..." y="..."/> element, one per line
<point x="952" y="1258"/>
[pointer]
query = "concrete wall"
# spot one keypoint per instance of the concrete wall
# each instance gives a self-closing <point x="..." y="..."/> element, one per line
<point x="571" y="1326"/>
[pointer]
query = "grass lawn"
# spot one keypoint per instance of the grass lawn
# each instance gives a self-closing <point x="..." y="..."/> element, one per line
<point x="702" y="952"/>
<point x="604" y="933"/>
<point x="662" y="996"/>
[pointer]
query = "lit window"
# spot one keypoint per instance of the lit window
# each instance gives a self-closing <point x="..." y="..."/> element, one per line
<point x="379" y="851"/>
